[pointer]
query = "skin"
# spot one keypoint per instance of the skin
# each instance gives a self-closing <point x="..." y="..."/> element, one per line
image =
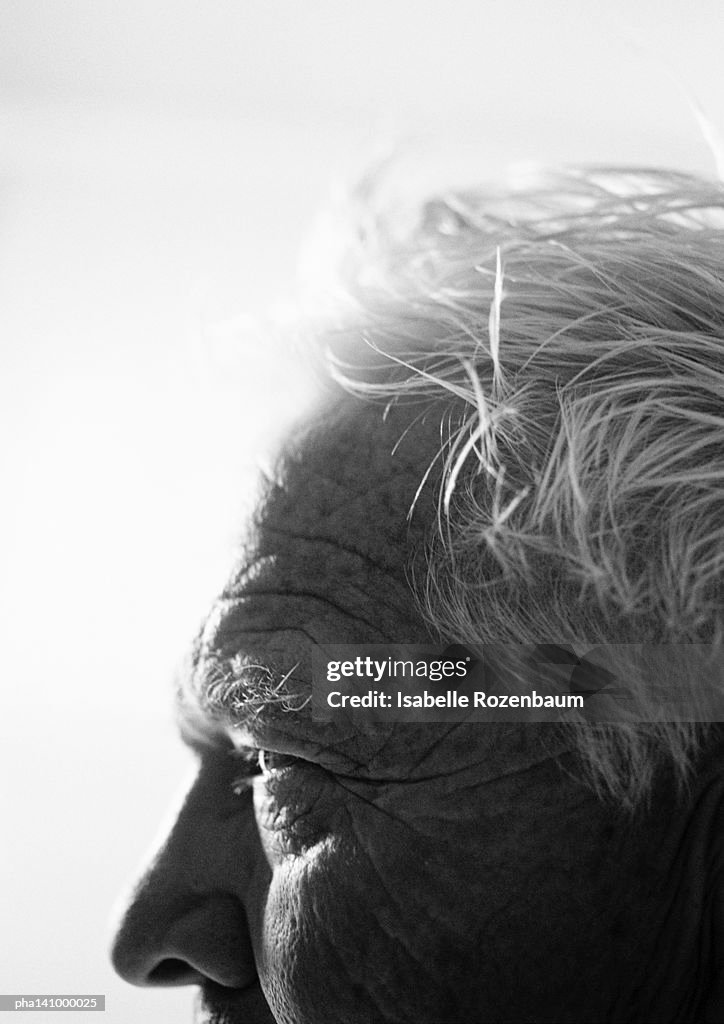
<point x="402" y="873"/>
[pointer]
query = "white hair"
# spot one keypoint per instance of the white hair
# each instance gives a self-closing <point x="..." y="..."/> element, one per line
<point x="570" y="333"/>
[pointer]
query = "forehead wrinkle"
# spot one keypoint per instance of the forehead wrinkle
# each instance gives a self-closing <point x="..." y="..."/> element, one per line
<point x="350" y="456"/>
<point x="384" y="562"/>
<point x="332" y="540"/>
<point x="318" y="581"/>
<point x="304" y="514"/>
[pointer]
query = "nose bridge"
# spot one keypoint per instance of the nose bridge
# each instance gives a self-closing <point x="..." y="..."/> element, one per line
<point x="186" y="918"/>
<point x="208" y="842"/>
<point x="202" y="834"/>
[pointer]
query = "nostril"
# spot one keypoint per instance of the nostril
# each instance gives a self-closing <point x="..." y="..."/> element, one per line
<point x="173" y="972"/>
<point x="172" y="944"/>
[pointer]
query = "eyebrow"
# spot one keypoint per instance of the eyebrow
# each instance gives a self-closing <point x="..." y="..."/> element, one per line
<point x="214" y="695"/>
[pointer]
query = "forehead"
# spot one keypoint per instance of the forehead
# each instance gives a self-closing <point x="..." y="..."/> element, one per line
<point x="326" y="561"/>
<point x="336" y="522"/>
<point x="352" y="472"/>
<point x="326" y="555"/>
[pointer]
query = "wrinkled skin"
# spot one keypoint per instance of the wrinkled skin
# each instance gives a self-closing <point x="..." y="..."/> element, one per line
<point x="405" y="873"/>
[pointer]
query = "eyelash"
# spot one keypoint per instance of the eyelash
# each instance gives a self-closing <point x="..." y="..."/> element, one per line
<point x="258" y="762"/>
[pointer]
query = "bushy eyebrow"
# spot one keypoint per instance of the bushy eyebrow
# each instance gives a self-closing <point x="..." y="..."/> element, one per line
<point x="215" y="694"/>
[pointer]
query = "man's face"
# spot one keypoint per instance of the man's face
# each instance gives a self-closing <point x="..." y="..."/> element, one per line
<point x="320" y="875"/>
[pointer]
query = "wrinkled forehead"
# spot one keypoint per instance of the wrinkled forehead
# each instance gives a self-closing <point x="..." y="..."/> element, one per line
<point x="340" y="519"/>
<point x="326" y="563"/>
<point x="325" y="557"/>
<point x="353" y="470"/>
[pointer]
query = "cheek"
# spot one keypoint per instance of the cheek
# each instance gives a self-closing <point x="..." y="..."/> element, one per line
<point x="378" y="906"/>
<point x="366" y="925"/>
<point x="437" y="904"/>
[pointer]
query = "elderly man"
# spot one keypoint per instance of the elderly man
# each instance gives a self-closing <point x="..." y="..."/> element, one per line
<point x="523" y="444"/>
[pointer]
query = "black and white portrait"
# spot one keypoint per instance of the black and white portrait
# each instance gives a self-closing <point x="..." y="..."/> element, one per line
<point x="363" y="618"/>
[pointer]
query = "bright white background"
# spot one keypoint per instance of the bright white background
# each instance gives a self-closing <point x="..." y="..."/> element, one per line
<point x="159" y="164"/>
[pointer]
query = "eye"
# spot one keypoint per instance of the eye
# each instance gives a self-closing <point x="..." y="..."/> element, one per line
<point x="257" y="762"/>
<point x="270" y="761"/>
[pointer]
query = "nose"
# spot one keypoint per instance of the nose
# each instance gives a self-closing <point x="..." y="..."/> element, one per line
<point x="186" y="921"/>
<point x="173" y="942"/>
